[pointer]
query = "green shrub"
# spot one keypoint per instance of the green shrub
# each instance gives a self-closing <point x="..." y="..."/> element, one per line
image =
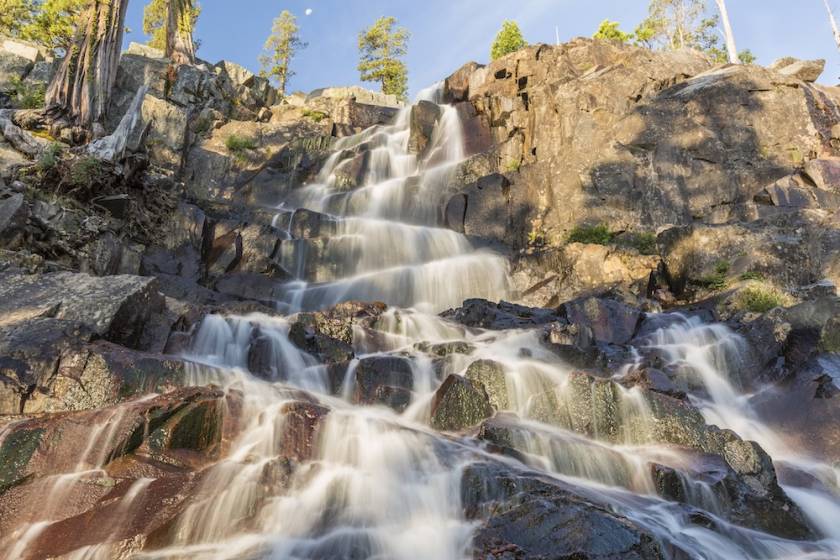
<point x="598" y="235"/>
<point x="240" y="145"/>
<point x="316" y="116"/>
<point x="536" y="238"/>
<point x="85" y="171"/>
<point x="761" y="298"/>
<point x="644" y="243"/>
<point x="513" y="166"/>
<point x="28" y="96"/>
<point x="751" y="275"/>
<point x="49" y="158"/>
<point x="718" y="280"/>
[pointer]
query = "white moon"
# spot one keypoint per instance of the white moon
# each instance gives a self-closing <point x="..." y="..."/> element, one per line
<point x="308" y="11"/>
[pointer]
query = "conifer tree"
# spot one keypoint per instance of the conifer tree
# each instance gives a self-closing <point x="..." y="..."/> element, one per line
<point x="381" y="47"/>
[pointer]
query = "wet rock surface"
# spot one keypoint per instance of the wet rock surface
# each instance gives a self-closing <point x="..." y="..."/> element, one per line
<point x="183" y="362"/>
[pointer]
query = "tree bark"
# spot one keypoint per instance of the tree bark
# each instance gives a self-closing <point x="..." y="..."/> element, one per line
<point x="834" y="28"/>
<point x="81" y="89"/>
<point x="180" y="47"/>
<point x="731" y="49"/>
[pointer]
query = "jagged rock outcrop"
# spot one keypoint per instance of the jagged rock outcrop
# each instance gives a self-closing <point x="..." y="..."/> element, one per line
<point x="593" y="133"/>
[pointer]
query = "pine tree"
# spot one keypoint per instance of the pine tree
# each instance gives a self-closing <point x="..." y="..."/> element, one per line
<point x="508" y="40"/>
<point x="381" y="47"/>
<point x="15" y="15"/>
<point x="609" y="30"/>
<point x="51" y="23"/>
<point x="280" y="48"/>
<point x="81" y="89"/>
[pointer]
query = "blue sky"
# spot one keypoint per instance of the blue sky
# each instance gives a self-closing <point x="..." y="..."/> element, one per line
<point x="447" y="33"/>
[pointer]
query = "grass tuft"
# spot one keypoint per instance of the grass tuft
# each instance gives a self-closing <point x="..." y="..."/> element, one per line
<point x="761" y="298"/>
<point x="239" y="146"/>
<point x="597" y="235"/>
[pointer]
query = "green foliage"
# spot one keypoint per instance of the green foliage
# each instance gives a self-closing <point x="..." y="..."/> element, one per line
<point x="239" y="145"/>
<point x="513" y="166"/>
<point x="54" y="25"/>
<point x="85" y="171"/>
<point x="746" y="57"/>
<point x="381" y="46"/>
<point x="316" y="116"/>
<point x="644" y="243"/>
<point x="50" y="23"/>
<point x="154" y="23"/>
<point x="718" y="280"/>
<point x="751" y="275"/>
<point x="26" y="95"/>
<point x="608" y="30"/>
<point x="15" y="15"/>
<point x="279" y="50"/>
<point x="761" y="298"/>
<point x="508" y="40"/>
<point x="719" y="56"/>
<point x="536" y="238"/>
<point x="49" y="158"/>
<point x="598" y="235"/>
<point x="677" y="24"/>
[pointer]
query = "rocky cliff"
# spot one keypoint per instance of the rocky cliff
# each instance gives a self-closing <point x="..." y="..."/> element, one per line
<point x="661" y="380"/>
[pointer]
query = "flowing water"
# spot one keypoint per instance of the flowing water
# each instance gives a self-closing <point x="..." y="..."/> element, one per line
<point x="382" y="484"/>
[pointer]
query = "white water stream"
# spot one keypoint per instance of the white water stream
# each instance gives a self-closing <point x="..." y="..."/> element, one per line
<point x="383" y="485"/>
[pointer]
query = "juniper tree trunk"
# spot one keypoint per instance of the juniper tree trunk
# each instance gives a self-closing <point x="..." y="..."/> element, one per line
<point x="731" y="49"/>
<point x="180" y="47"/>
<point x="81" y="89"/>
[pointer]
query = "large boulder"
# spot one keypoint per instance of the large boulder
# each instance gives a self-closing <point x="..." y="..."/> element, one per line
<point x="422" y="121"/>
<point x="116" y="308"/>
<point x="13" y="69"/>
<point x="386" y="380"/>
<point x="805" y="70"/>
<point x="526" y="516"/>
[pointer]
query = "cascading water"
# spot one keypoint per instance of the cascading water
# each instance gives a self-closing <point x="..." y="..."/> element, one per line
<point x="388" y="244"/>
<point x="381" y="483"/>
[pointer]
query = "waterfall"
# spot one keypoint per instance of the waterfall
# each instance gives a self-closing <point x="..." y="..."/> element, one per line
<point x="378" y="483"/>
<point x="389" y="244"/>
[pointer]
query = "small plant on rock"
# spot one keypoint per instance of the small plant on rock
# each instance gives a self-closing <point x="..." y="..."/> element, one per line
<point x="718" y="280"/>
<point x="596" y="235"/>
<point x="49" y="158"/>
<point x="28" y="96"/>
<point x="644" y="243"/>
<point x="751" y="275"/>
<point x="316" y="116"/>
<point x="761" y="297"/>
<point x="239" y="145"/>
<point x="85" y="171"/>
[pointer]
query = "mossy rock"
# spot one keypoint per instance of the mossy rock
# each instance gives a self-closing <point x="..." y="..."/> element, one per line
<point x="458" y="404"/>
<point x="489" y="376"/>
<point x="15" y="454"/>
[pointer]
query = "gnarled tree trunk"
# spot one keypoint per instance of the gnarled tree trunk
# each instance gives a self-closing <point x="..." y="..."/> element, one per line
<point x="180" y="47"/>
<point x="81" y="89"/>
